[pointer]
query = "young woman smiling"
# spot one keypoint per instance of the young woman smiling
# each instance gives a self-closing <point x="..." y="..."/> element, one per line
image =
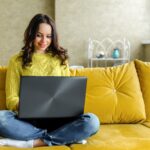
<point x="41" y="55"/>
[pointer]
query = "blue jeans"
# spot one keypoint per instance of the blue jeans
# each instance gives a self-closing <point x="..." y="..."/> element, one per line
<point x="81" y="128"/>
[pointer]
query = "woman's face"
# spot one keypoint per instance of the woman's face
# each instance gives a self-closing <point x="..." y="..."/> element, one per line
<point x="43" y="38"/>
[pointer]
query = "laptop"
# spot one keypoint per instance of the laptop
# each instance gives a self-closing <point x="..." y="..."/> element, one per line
<point x="51" y="97"/>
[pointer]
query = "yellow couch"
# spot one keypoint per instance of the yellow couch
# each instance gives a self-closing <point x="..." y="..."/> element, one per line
<point x="120" y="97"/>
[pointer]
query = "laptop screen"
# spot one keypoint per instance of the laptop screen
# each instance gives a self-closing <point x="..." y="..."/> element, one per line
<point x="51" y="96"/>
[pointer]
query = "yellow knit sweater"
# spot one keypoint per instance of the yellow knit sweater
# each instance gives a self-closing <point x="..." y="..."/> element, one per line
<point x="42" y="65"/>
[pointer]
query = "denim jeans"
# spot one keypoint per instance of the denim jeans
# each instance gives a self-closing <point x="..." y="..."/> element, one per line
<point x="81" y="128"/>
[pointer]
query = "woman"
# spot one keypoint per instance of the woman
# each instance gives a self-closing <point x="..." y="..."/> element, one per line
<point x="40" y="56"/>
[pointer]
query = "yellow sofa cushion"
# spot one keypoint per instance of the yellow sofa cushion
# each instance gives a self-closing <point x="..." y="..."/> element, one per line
<point x="113" y="93"/>
<point x="143" y="71"/>
<point x="118" y="137"/>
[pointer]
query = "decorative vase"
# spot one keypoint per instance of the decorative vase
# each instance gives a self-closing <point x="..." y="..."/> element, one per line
<point x="100" y="54"/>
<point x="116" y="53"/>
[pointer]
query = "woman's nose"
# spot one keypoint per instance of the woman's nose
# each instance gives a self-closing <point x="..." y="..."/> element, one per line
<point x="43" y="39"/>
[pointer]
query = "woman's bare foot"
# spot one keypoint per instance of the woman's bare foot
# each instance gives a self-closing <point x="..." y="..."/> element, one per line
<point x="38" y="143"/>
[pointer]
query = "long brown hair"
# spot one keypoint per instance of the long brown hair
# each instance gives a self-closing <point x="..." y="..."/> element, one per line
<point x="30" y="34"/>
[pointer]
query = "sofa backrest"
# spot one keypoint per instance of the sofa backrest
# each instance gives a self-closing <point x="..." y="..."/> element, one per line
<point x="143" y="71"/>
<point x="113" y="93"/>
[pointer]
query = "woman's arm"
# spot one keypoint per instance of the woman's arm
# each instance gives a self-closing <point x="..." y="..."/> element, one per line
<point x="12" y="84"/>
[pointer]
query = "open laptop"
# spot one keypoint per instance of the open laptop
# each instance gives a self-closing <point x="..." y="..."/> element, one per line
<point x="48" y="97"/>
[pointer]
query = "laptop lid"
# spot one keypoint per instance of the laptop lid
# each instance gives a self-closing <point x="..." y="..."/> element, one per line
<point x="51" y="97"/>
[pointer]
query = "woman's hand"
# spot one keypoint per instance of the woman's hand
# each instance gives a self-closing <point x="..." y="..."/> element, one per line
<point x="17" y="106"/>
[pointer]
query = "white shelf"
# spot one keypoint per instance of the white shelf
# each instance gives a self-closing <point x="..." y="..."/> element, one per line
<point x="106" y="60"/>
<point x="105" y="48"/>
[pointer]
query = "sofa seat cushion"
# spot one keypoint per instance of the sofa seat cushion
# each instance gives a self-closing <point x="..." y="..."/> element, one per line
<point x="143" y="71"/>
<point x="113" y="93"/>
<point x="118" y="137"/>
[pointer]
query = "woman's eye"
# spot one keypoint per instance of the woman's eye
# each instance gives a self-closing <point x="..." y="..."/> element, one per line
<point x="38" y="35"/>
<point x="49" y="36"/>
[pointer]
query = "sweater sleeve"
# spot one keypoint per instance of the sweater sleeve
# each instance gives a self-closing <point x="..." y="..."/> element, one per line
<point x="65" y="70"/>
<point x="12" y="85"/>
